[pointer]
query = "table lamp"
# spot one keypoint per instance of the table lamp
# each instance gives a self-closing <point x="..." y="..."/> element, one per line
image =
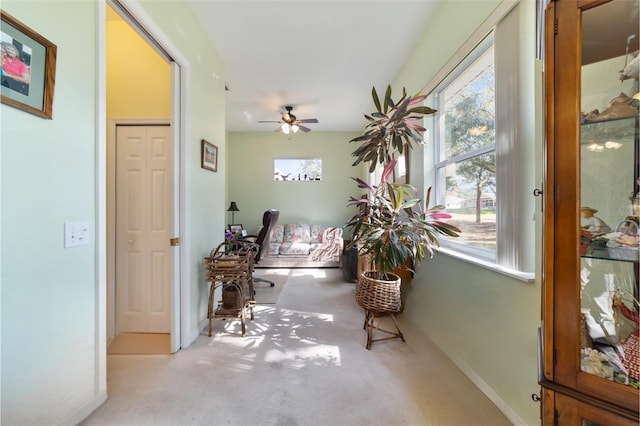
<point x="233" y="208"/>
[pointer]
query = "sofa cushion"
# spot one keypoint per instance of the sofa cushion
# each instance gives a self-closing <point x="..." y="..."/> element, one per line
<point x="316" y="233"/>
<point x="274" y="249"/>
<point x="297" y="233"/>
<point x="277" y="234"/>
<point x="294" y="248"/>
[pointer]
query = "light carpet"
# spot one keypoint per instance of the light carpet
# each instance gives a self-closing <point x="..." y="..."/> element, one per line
<point x="303" y="362"/>
<point x="140" y="344"/>
<point x="265" y="294"/>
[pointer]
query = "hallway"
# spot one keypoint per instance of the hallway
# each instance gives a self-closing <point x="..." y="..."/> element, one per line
<point x="303" y="362"/>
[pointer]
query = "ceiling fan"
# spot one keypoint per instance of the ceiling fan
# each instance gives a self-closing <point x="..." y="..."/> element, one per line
<point x="290" y="123"/>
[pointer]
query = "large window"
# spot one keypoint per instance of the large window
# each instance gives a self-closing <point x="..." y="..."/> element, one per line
<point x="483" y="136"/>
<point x="466" y="160"/>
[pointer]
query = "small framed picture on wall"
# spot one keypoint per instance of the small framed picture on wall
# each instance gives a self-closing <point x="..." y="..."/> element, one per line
<point x="209" y="156"/>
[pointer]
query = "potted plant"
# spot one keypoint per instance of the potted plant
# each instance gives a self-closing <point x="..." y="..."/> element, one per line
<point x="392" y="225"/>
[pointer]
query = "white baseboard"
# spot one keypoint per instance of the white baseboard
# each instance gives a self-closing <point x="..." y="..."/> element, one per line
<point x="480" y="384"/>
<point x="202" y="329"/>
<point x="83" y="412"/>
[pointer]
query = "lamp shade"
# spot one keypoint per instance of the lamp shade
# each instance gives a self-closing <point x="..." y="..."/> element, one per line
<point x="233" y="207"/>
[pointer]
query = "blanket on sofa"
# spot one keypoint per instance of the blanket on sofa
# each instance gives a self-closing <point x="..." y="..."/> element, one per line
<point x="329" y="249"/>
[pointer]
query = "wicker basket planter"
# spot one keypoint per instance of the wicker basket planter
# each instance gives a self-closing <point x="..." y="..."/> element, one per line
<point x="378" y="295"/>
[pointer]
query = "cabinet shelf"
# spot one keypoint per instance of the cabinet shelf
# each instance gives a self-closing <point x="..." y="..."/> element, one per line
<point x="622" y="130"/>
<point x="605" y="254"/>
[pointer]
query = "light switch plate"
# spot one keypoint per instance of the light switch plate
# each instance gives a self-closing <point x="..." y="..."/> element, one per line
<point x="76" y="234"/>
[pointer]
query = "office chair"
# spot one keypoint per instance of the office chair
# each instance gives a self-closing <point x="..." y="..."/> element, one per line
<point x="269" y="219"/>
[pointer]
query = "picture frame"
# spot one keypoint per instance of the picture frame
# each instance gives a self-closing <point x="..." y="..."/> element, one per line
<point x="236" y="229"/>
<point x="28" y="68"/>
<point x="209" y="156"/>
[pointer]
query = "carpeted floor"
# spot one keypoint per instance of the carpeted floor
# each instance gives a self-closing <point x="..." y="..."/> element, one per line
<point x="302" y="363"/>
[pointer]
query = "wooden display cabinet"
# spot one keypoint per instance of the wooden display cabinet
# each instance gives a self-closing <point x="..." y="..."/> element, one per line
<point x="591" y="163"/>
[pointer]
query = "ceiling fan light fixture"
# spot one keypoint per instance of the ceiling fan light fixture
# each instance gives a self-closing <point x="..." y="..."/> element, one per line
<point x="289" y="123"/>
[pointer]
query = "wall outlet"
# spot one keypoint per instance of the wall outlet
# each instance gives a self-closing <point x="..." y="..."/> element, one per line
<point x="76" y="234"/>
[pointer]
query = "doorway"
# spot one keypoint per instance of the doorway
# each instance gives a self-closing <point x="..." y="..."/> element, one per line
<point x="143" y="261"/>
<point x="143" y="231"/>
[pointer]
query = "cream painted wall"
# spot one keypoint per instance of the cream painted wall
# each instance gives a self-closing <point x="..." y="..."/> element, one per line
<point x="251" y="182"/>
<point x="484" y="321"/>
<point x="138" y="78"/>
<point x="52" y="372"/>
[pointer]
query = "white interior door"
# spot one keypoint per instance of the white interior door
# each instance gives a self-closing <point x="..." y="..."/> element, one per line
<point x="144" y="223"/>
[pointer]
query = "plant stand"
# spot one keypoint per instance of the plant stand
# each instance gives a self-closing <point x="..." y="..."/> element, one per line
<point x="227" y="272"/>
<point x="369" y="325"/>
<point x="379" y="298"/>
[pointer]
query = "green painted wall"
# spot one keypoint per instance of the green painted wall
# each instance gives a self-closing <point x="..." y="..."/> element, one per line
<point x="49" y="351"/>
<point x="252" y="186"/>
<point x="484" y="321"/>
<point x="52" y="368"/>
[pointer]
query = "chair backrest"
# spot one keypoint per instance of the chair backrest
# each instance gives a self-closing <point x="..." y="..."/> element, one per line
<point x="269" y="219"/>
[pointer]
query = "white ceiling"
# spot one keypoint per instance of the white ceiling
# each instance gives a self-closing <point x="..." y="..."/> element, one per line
<point x="320" y="56"/>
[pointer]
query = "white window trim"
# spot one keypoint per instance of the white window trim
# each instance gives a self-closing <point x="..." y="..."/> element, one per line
<point x="527" y="277"/>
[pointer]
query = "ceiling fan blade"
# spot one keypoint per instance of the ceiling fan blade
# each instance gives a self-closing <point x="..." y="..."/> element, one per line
<point x="308" y="120"/>
<point x="268" y="122"/>
<point x="279" y="129"/>
<point x="304" y="129"/>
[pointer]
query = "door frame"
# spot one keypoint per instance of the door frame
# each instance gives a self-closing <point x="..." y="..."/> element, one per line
<point x="180" y="101"/>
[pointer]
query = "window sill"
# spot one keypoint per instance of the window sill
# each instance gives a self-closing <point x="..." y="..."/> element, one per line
<point x="527" y="277"/>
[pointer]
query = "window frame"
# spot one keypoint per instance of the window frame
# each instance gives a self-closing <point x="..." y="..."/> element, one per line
<point x="516" y="254"/>
<point x="486" y="43"/>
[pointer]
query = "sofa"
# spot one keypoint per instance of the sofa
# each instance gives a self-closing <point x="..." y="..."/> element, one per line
<point x="302" y="245"/>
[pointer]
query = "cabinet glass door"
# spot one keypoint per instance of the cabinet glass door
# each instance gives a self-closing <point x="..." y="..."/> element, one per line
<point x="609" y="238"/>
